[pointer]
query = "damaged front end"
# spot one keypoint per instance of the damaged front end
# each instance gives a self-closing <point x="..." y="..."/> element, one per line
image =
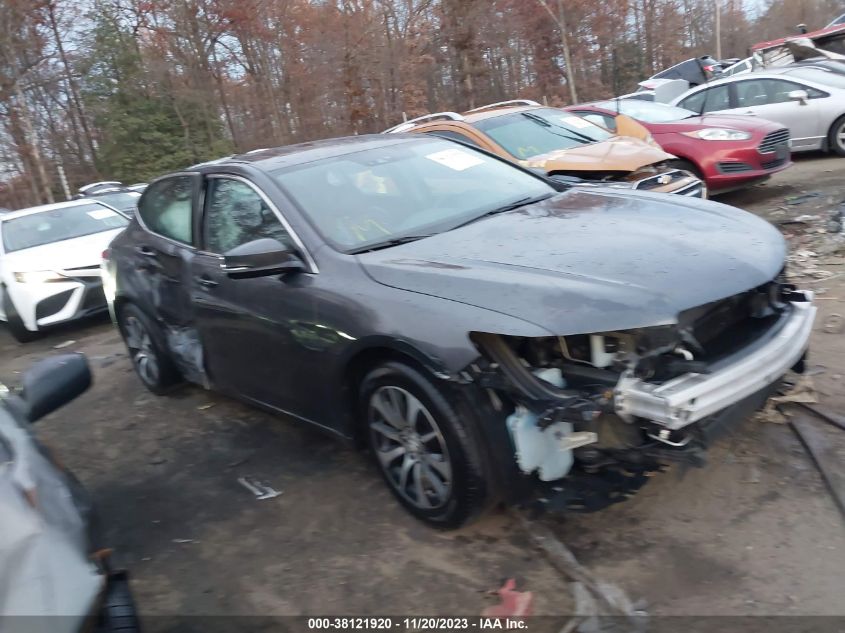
<point x="594" y="414"/>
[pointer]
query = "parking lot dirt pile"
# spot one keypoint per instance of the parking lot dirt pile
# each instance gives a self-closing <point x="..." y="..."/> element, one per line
<point x="753" y="532"/>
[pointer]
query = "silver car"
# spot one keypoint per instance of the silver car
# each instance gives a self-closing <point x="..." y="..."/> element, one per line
<point x="56" y="576"/>
<point x="809" y="100"/>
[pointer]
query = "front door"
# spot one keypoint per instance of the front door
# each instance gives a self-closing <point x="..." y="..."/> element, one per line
<point x="247" y="325"/>
<point x="769" y="99"/>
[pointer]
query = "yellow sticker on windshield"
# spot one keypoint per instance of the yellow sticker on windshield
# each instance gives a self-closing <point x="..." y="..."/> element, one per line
<point x="455" y="159"/>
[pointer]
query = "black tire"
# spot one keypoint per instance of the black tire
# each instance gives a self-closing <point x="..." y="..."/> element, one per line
<point x="147" y="350"/>
<point x="836" y="136"/>
<point x="14" y="322"/>
<point x="461" y="495"/>
<point x="118" y="613"/>
<point x="680" y="163"/>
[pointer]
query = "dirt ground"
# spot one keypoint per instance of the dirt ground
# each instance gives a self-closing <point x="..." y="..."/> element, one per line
<point x="754" y="532"/>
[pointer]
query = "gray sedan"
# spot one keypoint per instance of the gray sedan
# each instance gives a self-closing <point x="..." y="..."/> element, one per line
<point x="810" y="100"/>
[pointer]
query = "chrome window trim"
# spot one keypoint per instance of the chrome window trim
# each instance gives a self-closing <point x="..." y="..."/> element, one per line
<point x="309" y="260"/>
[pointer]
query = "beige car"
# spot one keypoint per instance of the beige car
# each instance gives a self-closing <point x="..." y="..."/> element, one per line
<point x="563" y="144"/>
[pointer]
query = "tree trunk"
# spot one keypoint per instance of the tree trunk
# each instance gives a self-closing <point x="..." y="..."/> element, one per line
<point x="32" y="145"/>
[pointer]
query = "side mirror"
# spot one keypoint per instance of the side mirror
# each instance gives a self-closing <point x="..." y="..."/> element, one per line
<point x="261" y="258"/>
<point x="800" y="96"/>
<point x="51" y="383"/>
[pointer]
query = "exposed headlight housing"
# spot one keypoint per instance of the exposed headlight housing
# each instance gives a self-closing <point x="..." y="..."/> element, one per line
<point x="719" y="134"/>
<point x="38" y="277"/>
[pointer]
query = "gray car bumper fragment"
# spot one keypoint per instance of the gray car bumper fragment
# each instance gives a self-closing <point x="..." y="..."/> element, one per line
<point x="691" y="397"/>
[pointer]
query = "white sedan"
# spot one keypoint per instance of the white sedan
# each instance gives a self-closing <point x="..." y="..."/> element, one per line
<point x="50" y="263"/>
<point x="808" y="99"/>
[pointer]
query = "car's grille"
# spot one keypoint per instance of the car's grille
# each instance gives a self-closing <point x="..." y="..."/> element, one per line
<point x="772" y="164"/>
<point x="724" y="326"/>
<point x="52" y="305"/>
<point x="82" y="274"/>
<point x="773" y="140"/>
<point x="95" y="267"/>
<point x="94" y="299"/>
<point x="660" y="180"/>
<point x="695" y="190"/>
<point x="734" y="168"/>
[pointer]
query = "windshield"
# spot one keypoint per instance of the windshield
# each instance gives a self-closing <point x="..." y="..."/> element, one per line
<point x="413" y="188"/>
<point x="647" y="111"/>
<point x="533" y="132"/>
<point x="59" y="224"/>
<point x="120" y="200"/>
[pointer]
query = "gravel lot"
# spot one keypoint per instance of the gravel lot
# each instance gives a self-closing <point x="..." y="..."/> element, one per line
<point x="754" y="532"/>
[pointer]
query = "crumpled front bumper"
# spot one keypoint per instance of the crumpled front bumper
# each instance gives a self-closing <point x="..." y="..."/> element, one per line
<point x="691" y="397"/>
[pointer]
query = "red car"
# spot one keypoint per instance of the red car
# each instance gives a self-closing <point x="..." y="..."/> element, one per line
<point x="727" y="152"/>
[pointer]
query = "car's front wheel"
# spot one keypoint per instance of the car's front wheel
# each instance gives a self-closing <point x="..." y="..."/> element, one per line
<point x="14" y="322"/>
<point x="836" y="136"/>
<point x="147" y="351"/>
<point x="422" y="446"/>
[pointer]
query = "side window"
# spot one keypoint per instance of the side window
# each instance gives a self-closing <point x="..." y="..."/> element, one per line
<point x="454" y="136"/>
<point x="235" y="214"/>
<point x="751" y="93"/>
<point x="763" y="91"/>
<point x="693" y="102"/>
<point x="757" y="92"/>
<point x="166" y="208"/>
<point x="717" y="98"/>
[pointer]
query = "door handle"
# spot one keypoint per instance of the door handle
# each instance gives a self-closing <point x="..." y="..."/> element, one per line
<point x="146" y="251"/>
<point x="206" y="282"/>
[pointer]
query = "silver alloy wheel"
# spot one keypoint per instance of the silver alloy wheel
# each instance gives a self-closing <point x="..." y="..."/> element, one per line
<point x="410" y="447"/>
<point x="839" y="135"/>
<point x="141" y="350"/>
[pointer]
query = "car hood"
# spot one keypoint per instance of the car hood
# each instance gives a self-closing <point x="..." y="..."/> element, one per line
<point x="620" y="153"/>
<point x="584" y="262"/>
<point x="747" y="123"/>
<point x="73" y="253"/>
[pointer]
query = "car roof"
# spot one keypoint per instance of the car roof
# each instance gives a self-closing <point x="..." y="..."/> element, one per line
<point x="289" y="155"/>
<point x="491" y="113"/>
<point x="50" y="207"/>
<point x="769" y="73"/>
<point x="467" y="118"/>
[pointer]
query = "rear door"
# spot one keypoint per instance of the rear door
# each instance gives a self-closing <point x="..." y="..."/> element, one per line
<point x="248" y="327"/>
<point x="162" y="251"/>
<point x="158" y="257"/>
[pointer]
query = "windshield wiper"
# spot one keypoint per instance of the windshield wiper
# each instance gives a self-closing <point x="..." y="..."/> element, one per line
<point x="504" y="208"/>
<point x="572" y="135"/>
<point x="396" y="241"/>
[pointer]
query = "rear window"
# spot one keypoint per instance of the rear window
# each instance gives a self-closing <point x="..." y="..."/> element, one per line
<point x="56" y="225"/>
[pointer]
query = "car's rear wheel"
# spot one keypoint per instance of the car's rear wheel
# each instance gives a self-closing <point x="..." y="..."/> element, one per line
<point x="836" y="136"/>
<point x="147" y="350"/>
<point x="422" y="446"/>
<point x="14" y="322"/>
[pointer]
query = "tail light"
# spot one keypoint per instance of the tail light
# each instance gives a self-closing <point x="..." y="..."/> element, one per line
<point x="106" y="254"/>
